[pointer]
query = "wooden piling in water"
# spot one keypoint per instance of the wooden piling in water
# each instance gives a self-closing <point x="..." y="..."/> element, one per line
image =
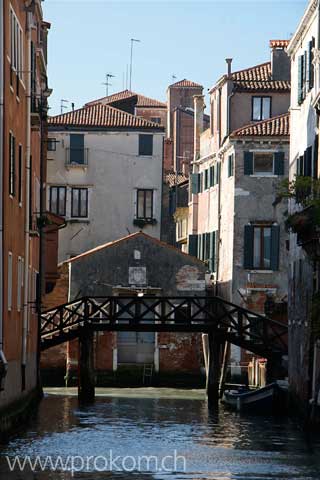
<point x="86" y="380"/>
<point x="214" y="368"/>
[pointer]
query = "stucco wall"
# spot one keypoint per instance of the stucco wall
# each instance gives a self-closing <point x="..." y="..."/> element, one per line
<point x="115" y="171"/>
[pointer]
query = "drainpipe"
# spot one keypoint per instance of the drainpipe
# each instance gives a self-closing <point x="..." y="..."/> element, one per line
<point x="2" y="357"/>
<point x="27" y="202"/>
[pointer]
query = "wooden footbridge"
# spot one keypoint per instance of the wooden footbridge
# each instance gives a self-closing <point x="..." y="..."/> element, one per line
<point x="221" y="320"/>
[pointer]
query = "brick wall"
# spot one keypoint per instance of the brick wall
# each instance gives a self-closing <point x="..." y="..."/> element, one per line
<point x="180" y="352"/>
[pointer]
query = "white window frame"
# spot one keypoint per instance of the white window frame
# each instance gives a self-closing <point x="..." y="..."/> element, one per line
<point x="263" y="174"/>
<point x="16" y="44"/>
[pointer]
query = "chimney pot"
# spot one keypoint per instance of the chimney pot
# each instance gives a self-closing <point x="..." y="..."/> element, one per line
<point x="229" y="63"/>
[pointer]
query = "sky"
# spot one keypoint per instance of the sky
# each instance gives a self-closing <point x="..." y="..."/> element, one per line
<point x="183" y="38"/>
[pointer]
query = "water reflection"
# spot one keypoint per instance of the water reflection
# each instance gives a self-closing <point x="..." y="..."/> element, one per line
<point x="223" y="445"/>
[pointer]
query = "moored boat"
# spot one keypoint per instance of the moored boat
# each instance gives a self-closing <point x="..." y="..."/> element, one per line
<point x="262" y="399"/>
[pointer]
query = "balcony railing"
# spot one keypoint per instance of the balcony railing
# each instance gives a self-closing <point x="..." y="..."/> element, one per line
<point x="77" y="157"/>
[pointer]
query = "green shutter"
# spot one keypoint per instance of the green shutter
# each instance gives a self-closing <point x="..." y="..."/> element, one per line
<point x="300" y="79"/>
<point x="195" y="183"/>
<point x="279" y="163"/>
<point x="207" y="249"/>
<point x="212" y="254"/>
<point x="199" y="247"/>
<point x="211" y="176"/>
<point x="275" y="239"/>
<point x="304" y="78"/>
<point x="315" y="156"/>
<point x="206" y="179"/>
<point x="230" y="165"/>
<point x="203" y="245"/>
<point x="248" y="246"/>
<point x="193" y="245"/>
<point x="307" y="164"/>
<point x="248" y="163"/>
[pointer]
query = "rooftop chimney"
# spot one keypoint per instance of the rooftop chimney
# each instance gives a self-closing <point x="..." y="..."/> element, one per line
<point x="198" y="122"/>
<point x="229" y="63"/>
<point x="280" y="61"/>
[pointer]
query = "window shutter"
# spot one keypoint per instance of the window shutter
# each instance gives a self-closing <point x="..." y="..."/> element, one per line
<point x="315" y="156"/>
<point x="206" y="179"/>
<point x="307" y="171"/>
<point x="311" y="66"/>
<point x="218" y="171"/>
<point x="279" y="163"/>
<point x="211" y="176"/>
<point x="248" y="246"/>
<point x="230" y="165"/>
<point x="212" y="254"/>
<point x="304" y="77"/>
<point x="248" y="163"/>
<point x="203" y="244"/>
<point x="199" y="247"/>
<point x="300" y="79"/>
<point x="77" y="148"/>
<point x="193" y="245"/>
<point x="275" y="238"/>
<point x="307" y="67"/>
<point x="195" y="183"/>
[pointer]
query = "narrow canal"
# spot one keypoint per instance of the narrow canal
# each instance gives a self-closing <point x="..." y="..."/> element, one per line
<point x="156" y="434"/>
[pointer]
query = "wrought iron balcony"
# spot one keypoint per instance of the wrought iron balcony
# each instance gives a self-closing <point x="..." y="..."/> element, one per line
<point x="77" y="157"/>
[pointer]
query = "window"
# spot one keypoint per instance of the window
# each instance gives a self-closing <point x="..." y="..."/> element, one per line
<point x="230" y="165"/>
<point x="9" y="281"/>
<point x="16" y="45"/>
<point x="306" y="71"/>
<point x="261" y="246"/>
<point x="206" y="248"/>
<point x="206" y="179"/>
<point x="263" y="163"/>
<point x="156" y="120"/>
<point x="58" y="200"/>
<point x="51" y="144"/>
<point x="12" y="165"/>
<point x="261" y="108"/>
<point x="77" y="149"/>
<point x="145" y="144"/>
<point x="145" y="204"/>
<point x="79" y="202"/>
<point x="20" y="175"/>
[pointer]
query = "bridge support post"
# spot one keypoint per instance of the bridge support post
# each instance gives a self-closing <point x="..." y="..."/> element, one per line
<point x="86" y="380"/>
<point x="214" y="367"/>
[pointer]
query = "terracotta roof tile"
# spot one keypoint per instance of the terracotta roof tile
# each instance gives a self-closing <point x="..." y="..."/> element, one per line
<point x="186" y="83"/>
<point x="279" y="43"/>
<point x="273" y="127"/>
<point x="141" y="100"/>
<point x="258" y="78"/>
<point x="101" y="116"/>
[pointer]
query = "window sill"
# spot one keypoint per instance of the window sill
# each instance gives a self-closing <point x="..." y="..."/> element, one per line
<point x="76" y="165"/>
<point x="256" y="175"/>
<point x="78" y="220"/>
<point x="142" y="222"/>
<point x="261" y="271"/>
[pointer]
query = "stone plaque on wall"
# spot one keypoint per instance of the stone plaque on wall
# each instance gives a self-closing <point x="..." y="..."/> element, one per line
<point x="137" y="276"/>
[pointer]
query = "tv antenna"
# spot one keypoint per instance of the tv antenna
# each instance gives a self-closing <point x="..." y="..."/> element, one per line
<point x="63" y="105"/>
<point x="106" y="83"/>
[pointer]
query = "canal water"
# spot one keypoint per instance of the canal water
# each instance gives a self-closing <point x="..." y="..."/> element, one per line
<point x="155" y="434"/>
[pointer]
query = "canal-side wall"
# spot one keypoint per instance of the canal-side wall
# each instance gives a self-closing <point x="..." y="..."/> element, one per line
<point x="168" y="271"/>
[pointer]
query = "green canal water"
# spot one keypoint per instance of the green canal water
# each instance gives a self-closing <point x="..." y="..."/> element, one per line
<point x="163" y="434"/>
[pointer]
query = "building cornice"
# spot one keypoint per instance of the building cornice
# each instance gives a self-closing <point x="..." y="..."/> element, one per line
<point x="302" y="27"/>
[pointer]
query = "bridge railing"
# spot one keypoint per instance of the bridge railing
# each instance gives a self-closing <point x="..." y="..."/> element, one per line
<point x="149" y="313"/>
